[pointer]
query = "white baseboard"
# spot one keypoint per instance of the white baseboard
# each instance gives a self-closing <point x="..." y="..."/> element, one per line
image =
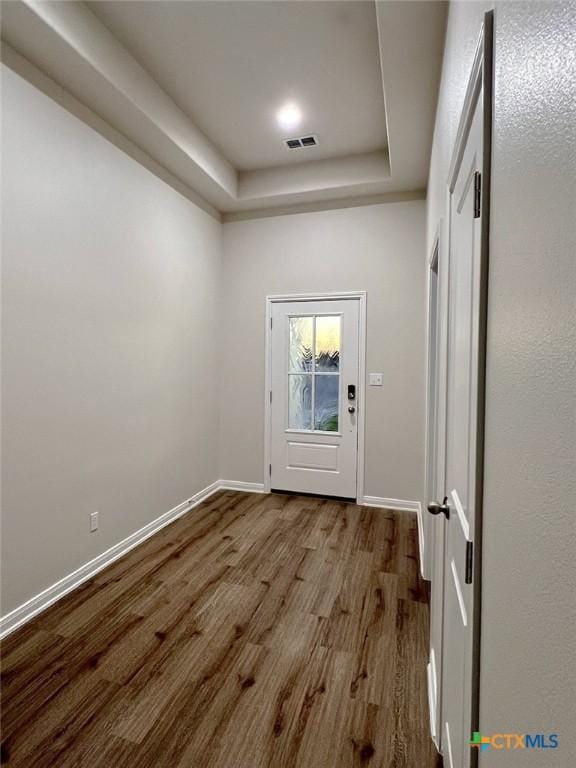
<point x="52" y="594"/>
<point x="237" y="485"/>
<point x="401" y="505"/>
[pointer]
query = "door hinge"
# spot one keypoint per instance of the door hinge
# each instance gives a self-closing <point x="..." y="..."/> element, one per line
<point x="270" y="323"/>
<point x="270" y="395"/>
<point x="477" y="193"/>
<point x="469" y="562"/>
<point x="270" y="469"/>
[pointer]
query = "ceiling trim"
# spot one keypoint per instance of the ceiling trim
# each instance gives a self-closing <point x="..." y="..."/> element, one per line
<point x="325" y="205"/>
<point x="313" y="176"/>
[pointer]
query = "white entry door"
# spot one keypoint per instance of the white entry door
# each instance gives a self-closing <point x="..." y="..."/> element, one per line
<point x="314" y="396"/>
<point x="465" y="342"/>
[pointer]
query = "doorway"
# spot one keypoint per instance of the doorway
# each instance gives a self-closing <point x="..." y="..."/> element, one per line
<point x="315" y="394"/>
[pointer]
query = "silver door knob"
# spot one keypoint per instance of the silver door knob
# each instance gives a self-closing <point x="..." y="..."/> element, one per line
<point x="435" y="508"/>
<point x="351" y="409"/>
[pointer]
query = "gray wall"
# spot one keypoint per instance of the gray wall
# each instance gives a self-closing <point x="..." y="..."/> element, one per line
<point x="529" y="654"/>
<point x="110" y="289"/>
<point x="375" y="248"/>
<point x="528" y="657"/>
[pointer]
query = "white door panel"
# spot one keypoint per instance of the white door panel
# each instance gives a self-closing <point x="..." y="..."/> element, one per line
<point x="461" y="441"/>
<point x="312" y="456"/>
<point x="435" y="472"/>
<point x="314" y="417"/>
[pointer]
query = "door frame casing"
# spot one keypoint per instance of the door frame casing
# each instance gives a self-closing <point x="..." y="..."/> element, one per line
<point x="359" y="296"/>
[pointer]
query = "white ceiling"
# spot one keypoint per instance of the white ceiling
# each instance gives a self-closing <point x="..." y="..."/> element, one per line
<point x="230" y="65"/>
<point x="190" y="88"/>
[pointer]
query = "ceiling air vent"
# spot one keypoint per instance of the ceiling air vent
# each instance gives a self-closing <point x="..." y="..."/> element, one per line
<point x="301" y="142"/>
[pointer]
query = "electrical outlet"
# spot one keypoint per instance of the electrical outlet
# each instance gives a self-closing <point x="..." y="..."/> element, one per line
<point x="375" y="379"/>
<point x="94" y="522"/>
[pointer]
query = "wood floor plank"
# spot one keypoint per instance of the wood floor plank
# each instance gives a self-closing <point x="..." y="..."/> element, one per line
<point x="257" y="631"/>
<point x="410" y="701"/>
<point x="324" y="705"/>
<point x="40" y="685"/>
<point x="229" y="696"/>
<point x="56" y="727"/>
<point x="356" y="597"/>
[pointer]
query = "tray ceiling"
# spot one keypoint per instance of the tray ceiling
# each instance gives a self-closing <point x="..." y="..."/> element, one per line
<point x="196" y="87"/>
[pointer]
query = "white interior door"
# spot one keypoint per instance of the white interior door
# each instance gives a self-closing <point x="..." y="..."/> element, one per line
<point x="464" y="313"/>
<point x="314" y="396"/>
<point x="435" y="476"/>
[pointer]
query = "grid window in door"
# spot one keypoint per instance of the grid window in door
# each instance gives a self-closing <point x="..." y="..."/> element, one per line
<point x="314" y="372"/>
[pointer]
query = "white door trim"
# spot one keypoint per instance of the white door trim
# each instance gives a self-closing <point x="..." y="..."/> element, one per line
<point x="274" y="299"/>
<point x="476" y="79"/>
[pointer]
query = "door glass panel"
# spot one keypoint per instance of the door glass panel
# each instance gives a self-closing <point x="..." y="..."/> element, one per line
<point x="301" y="334"/>
<point x="326" y="402"/>
<point x="328" y="343"/>
<point x="300" y="401"/>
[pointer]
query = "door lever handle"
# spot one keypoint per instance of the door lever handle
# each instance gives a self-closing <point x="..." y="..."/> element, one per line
<point x="435" y="508"/>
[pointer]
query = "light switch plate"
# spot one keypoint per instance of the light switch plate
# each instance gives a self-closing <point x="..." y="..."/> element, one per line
<point x="375" y="379"/>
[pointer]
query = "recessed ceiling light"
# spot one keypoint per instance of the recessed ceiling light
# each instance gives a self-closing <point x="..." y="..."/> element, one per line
<point x="289" y="116"/>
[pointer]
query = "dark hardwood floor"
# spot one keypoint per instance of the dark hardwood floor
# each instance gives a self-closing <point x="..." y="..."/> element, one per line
<point x="257" y="631"/>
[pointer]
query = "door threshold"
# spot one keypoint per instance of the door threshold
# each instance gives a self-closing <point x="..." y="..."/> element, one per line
<point x="347" y="499"/>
